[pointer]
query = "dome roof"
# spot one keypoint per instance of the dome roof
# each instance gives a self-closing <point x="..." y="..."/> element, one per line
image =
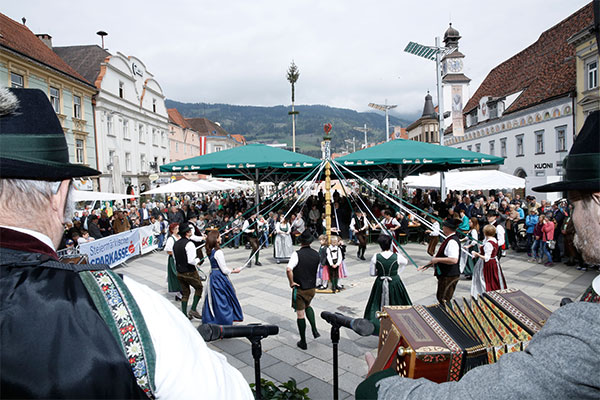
<point x="451" y="33"/>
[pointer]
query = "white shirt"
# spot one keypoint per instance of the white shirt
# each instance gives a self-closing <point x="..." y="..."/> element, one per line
<point x="364" y="221"/>
<point x="190" y="251"/>
<point x="452" y="249"/>
<point x="220" y="258"/>
<point x="246" y="228"/>
<point x="298" y="224"/>
<point x="402" y="261"/>
<point x="500" y="234"/>
<point x="435" y="229"/>
<point x="169" y="244"/>
<point x="293" y="261"/>
<point x="334" y="251"/>
<point x="279" y="231"/>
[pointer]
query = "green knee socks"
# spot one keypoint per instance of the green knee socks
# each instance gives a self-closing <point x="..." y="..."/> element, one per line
<point x="195" y="302"/>
<point x="310" y="314"/>
<point x="302" y="329"/>
<point x="184" y="307"/>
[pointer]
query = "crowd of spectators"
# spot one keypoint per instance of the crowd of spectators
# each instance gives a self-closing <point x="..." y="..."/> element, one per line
<point x="542" y="229"/>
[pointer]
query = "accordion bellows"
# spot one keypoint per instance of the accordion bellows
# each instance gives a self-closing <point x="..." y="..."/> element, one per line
<point x="442" y="342"/>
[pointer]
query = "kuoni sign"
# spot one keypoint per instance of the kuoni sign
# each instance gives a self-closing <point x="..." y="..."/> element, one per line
<point x="112" y="250"/>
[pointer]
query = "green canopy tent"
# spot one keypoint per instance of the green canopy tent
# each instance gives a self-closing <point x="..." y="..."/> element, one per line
<point x="400" y="158"/>
<point x="255" y="162"/>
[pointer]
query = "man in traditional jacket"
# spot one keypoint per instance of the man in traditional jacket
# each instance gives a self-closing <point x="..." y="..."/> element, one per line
<point x="80" y="330"/>
<point x="562" y="360"/>
<point x="302" y="276"/>
<point x="446" y="262"/>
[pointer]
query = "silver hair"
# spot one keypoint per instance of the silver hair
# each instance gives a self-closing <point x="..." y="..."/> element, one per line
<point x="23" y="195"/>
<point x="8" y="102"/>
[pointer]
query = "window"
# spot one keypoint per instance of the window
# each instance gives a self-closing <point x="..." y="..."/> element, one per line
<point x="55" y="99"/>
<point x="164" y="138"/>
<point x="503" y="147"/>
<point x="592" y="75"/>
<point x="218" y="148"/>
<point x="77" y="107"/>
<point x="561" y="138"/>
<point x="493" y="110"/>
<point x="121" y="89"/>
<point x="128" y="161"/>
<point x="125" y="129"/>
<point x="164" y="160"/>
<point x="79" y="151"/>
<point x="478" y="147"/>
<point x="539" y="142"/>
<point x="109" y="125"/>
<point x="470" y="147"/>
<point x="176" y="147"/>
<point x="154" y="105"/>
<point x="156" y="163"/>
<point x="520" y="147"/>
<point x="111" y="156"/>
<point x="492" y="147"/>
<point x="16" y="80"/>
<point x="143" y="162"/>
<point x="142" y="134"/>
<point x="154" y="137"/>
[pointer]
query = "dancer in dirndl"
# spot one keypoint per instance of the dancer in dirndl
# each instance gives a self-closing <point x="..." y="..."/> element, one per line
<point x="172" y="282"/>
<point x="491" y="272"/>
<point x="221" y="305"/>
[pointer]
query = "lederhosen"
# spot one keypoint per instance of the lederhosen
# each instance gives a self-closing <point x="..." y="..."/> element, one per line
<point x="61" y="334"/>
<point x="447" y="274"/>
<point x="361" y="234"/>
<point x="187" y="275"/>
<point x="305" y="274"/>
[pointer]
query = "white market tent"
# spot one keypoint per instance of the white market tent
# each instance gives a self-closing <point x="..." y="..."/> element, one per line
<point x="468" y="180"/>
<point x="180" y="186"/>
<point x="83" y="195"/>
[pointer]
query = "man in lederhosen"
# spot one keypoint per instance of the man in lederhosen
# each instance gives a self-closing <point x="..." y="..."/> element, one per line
<point x="302" y="276"/>
<point x="446" y="262"/>
<point x="250" y="229"/>
<point x="186" y="261"/>
<point x="359" y="225"/>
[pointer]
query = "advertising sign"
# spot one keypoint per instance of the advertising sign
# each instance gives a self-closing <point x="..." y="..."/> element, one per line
<point x="112" y="250"/>
<point x="457" y="106"/>
<point x="147" y="240"/>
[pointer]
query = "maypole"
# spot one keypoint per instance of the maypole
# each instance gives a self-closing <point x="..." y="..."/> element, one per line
<point x="326" y="150"/>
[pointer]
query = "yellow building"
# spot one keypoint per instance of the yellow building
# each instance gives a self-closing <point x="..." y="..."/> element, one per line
<point x="588" y="90"/>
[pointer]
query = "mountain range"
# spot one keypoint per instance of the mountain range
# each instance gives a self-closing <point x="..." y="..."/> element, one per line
<point x="274" y="125"/>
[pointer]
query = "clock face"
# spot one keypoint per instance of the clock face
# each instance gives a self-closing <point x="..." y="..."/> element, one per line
<point x="455" y="65"/>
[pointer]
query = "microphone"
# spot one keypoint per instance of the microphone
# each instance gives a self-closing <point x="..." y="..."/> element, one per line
<point x="210" y="332"/>
<point x="362" y="326"/>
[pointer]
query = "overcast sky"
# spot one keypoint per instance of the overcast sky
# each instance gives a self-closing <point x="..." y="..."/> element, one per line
<point x="349" y="52"/>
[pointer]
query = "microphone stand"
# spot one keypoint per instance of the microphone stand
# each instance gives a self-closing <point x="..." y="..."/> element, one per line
<point x="335" y="339"/>
<point x="256" y="353"/>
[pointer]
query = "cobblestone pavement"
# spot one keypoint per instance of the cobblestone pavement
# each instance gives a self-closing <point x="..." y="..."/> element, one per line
<point x="265" y="298"/>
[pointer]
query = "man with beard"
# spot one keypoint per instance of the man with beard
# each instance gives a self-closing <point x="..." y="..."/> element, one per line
<point x="561" y="360"/>
<point x="80" y="330"/>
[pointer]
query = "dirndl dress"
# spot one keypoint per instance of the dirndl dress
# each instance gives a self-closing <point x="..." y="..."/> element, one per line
<point x="221" y="305"/>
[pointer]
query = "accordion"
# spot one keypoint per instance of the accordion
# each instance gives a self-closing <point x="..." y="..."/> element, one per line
<point x="442" y="342"/>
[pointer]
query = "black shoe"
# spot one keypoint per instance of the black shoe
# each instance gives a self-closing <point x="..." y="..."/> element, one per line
<point x="316" y="334"/>
<point x="321" y="287"/>
<point x="362" y="257"/>
<point x="358" y="254"/>
<point x="302" y="345"/>
<point x="177" y="298"/>
<point x="258" y="263"/>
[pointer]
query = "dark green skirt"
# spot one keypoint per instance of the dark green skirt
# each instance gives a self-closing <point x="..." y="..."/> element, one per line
<point x="398" y="297"/>
<point x="172" y="282"/>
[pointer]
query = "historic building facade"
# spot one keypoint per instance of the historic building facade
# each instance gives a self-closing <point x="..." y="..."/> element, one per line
<point x="131" y="117"/>
<point x="27" y="61"/>
<point x="588" y="90"/>
<point x="426" y="128"/>
<point x="523" y="110"/>
<point x="213" y="137"/>
<point x="184" y="142"/>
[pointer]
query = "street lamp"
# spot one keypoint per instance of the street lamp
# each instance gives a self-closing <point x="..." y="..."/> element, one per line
<point x="385" y="107"/>
<point x="364" y="130"/>
<point x="435" y="53"/>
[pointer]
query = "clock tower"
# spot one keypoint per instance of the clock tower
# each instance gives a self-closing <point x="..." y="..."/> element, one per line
<point x="455" y="83"/>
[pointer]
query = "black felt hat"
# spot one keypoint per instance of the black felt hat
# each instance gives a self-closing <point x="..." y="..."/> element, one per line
<point x="451" y="223"/>
<point x="184" y="227"/>
<point x="32" y="140"/>
<point x="306" y="238"/>
<point x="582" y="164"/>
